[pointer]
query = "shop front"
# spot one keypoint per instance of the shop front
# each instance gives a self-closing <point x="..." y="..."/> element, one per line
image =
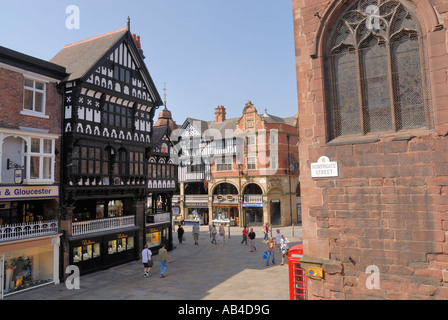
<point x="226" y="213"/>
<point x="253" y="213"/>
<point x="156" y="235"/>
<point x="28" y="264"/>
<point x="25" y="204"/>
<point x="196" y="212"/>
<point x="101" y="251"/>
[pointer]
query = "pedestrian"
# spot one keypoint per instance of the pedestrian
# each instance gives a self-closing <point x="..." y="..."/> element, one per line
<point x="266" y="232"/>
<point x="244" y="236"/>
<point x="146" y="260"/>
<point x="222" y="233"/>
<point x="278" y="239"/>
<point x="284" y="248"/>
<point x="180" y="233"/>
<point x="270" y="249"/>
<point x="213" y="231"/>
<point x="252" y="236"/>
<point x="163" y="255"/>
<point x="196" y="233"/>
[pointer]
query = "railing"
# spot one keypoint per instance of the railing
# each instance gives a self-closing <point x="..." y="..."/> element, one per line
<point x="196" y="198"/>
<point x="28" y="230"/>
<point x="253" y="198"/>
<point x="159" y="218"/>
<point x="92" y="226"/>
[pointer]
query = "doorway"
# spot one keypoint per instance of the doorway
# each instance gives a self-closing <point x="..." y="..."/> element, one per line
<point x="276" y="218"/>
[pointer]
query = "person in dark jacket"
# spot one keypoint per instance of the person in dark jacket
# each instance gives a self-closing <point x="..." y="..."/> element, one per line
<point x="180" y="233"/>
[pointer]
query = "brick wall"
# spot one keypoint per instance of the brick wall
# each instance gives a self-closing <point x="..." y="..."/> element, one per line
<point x="11" y="105"/>
<point x="389" y="205"/>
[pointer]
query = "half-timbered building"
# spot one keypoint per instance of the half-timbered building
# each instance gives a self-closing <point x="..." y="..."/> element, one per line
<point x="109" y="106"/>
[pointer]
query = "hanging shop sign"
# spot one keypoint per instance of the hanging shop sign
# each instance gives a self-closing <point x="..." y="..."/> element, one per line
<point x="324" y="168"/>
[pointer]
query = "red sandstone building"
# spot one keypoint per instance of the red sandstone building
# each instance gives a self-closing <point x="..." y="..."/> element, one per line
<point x="373" y="98"/>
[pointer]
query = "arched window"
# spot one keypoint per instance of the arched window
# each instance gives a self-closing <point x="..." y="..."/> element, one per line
<point x="375" y="71"/>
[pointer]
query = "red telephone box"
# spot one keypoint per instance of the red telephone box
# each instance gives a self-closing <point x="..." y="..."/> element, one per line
<point x="298" y="284"/>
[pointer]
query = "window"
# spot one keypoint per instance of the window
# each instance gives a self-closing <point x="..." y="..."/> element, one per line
<point x="87" y="252"/>
<point x="86" y="160"/>
<point x="376" y="77"/>
<point x="34" y="96"/>
<point x="224" y="164"/>
<point x="39" y="158"/>
<point x="251" y="163"/>
<point x="117" y="116"/>
<point x="136" y="163"/>
<point x="251" y="140"/>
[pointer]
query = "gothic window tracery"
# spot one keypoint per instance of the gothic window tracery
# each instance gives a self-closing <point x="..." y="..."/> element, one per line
<point x="375" y="71"/>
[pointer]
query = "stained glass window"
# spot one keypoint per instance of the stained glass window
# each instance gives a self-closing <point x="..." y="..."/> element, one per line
<point x="375" y="72"/>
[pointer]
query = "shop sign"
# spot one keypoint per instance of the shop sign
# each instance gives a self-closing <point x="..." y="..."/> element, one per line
<point x="252" y="205"/>
<point x="28" y="192"/>
<point x="122" y="236"/>
<point x="87" y="242"/>
<point x="324" y="168"/>
<point x="18" y="176"/>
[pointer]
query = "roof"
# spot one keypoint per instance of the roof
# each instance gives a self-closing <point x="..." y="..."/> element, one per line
<point x="32" y="64"/>
<point x="80" y="57"/>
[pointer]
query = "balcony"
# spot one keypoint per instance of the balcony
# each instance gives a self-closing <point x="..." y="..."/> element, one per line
<point x="253" y="198"/>
<point x="164" y="217"/>
<point x="29" y="230"/>
<point x="196" y="198"/>
<point x="93" y="226"/>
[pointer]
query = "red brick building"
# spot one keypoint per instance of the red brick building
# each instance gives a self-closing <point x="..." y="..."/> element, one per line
<point x="373" y="97"/>
<point x="30" y="149"/>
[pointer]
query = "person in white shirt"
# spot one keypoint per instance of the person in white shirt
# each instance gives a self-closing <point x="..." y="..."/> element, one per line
<point x="146" y="260"/>
<point x="284" y="247"/>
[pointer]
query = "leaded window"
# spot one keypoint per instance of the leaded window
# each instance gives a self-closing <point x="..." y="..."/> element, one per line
<point x="375" y="71"/>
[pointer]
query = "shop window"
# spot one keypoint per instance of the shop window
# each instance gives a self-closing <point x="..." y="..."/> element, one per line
<point x="27" y="268"/>
<point x="120" y="245"/>
<point x="154" y="239"/>
<point x="115" y="208"/>
<point x="85" y="253"/>
<point x="376" y="78"/>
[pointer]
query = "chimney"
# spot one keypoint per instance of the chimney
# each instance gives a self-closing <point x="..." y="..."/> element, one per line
<point x="220" y="114"/>
<point x="138" y="44"/>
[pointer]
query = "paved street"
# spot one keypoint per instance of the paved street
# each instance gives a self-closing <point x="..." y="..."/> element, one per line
<point x="204" y="272"/>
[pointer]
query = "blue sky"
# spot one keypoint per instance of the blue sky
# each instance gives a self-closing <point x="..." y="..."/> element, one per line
<point x="208" y="52"/>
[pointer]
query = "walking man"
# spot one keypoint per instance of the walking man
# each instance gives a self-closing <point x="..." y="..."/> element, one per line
<point x="196" y="233"/>
<point x="163" y="255"/>
<point x="213" y="231"/>
<point x="146" y="260"/>
<point x="252" y="236"/>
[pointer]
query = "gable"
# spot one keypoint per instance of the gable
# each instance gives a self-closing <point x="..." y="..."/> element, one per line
<point x="121" y="70"/>
<point x="111" y="61"/>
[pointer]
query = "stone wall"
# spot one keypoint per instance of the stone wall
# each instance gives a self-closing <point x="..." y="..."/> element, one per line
<point x="389" y="205"/>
